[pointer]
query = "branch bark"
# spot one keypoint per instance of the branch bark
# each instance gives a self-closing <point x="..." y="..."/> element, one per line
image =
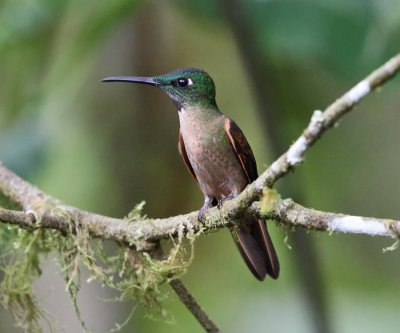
<point x="286" y="212"/>
<point x="41" y="207"/>
<point x="191" y="303"/>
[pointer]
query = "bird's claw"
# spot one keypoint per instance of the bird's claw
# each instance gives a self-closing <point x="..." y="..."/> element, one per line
<point x="221" y="201"/>
<point x="219" y="204"/>
<point x="203" y="209"/>
<point x="200" y="217"/>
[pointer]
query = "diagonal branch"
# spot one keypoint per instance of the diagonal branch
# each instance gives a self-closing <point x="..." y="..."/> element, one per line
<point x="191" y="303"/>
<point x="320" y="122"/>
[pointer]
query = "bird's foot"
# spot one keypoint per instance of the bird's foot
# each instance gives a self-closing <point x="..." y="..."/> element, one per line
<point x="203" y="209"/>
<point x="220" y="202"/>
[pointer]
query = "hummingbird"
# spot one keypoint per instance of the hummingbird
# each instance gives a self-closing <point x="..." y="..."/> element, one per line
<point x="217" y="155"/>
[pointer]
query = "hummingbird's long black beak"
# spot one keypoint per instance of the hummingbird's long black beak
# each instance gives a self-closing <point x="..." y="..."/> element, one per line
<point x="135" y="79"/>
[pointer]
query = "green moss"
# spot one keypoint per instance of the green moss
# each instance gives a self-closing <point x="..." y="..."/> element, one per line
<point x="6" y="203"/>
<point x="392" y="247"/>
<point x="269" y="200"/>
<point x="136" y="275"/>
<point x="286" y="241"/>
<point x="136" y="212"/>
<point x="19" y="269"/>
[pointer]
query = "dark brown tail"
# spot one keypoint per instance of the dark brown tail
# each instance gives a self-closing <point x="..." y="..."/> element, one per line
<point x="257" y="250"/>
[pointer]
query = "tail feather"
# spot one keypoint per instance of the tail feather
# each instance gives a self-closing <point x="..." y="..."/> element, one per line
<point x="257" y="250"/>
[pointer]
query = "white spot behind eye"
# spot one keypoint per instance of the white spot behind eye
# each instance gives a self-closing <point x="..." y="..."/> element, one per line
<point x="190" y="82"/>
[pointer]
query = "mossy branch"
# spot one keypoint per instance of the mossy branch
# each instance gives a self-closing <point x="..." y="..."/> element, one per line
<point x="137" y="234"/>
<point x="33" y="201"/>
<point x="41" y="211"/>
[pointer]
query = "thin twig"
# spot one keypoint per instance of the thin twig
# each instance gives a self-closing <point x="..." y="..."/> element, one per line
<point x="155" y="251"/>
<point x="190" y="302"/>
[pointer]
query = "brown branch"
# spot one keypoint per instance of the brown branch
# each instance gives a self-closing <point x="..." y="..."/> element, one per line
<point x="191" y="303"/>
<point x="155" y="251"/>
<point x="51" y="211"/>
<point x="134" y="233"/>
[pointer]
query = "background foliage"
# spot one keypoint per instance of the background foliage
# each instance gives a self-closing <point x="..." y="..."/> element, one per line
<point x="107" y="147"/>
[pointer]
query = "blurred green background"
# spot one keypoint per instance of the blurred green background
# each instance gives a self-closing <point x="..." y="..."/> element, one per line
<point x="106" y="147"/>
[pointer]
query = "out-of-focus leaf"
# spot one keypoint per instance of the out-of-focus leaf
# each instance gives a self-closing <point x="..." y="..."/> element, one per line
<point x="51" y="39"/>
<point x="290" y="31"/>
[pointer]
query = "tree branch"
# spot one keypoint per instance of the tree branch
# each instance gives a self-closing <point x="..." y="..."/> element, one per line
<point x="320" y="122"/>
<point x="50" y="211"/>
<point x="133" y="233"/>
<point x="191" y="303"/>
<point x="291" y="213"/>
<point x="44" y="211"/>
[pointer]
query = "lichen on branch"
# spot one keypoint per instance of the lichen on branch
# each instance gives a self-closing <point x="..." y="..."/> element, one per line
<point x="135" y="275"/>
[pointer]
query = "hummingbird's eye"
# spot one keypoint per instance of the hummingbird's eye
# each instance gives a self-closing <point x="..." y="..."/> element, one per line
<point x="182" y="82"/>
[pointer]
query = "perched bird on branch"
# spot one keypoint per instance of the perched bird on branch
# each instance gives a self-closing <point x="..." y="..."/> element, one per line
<point x="218" y="156"/>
